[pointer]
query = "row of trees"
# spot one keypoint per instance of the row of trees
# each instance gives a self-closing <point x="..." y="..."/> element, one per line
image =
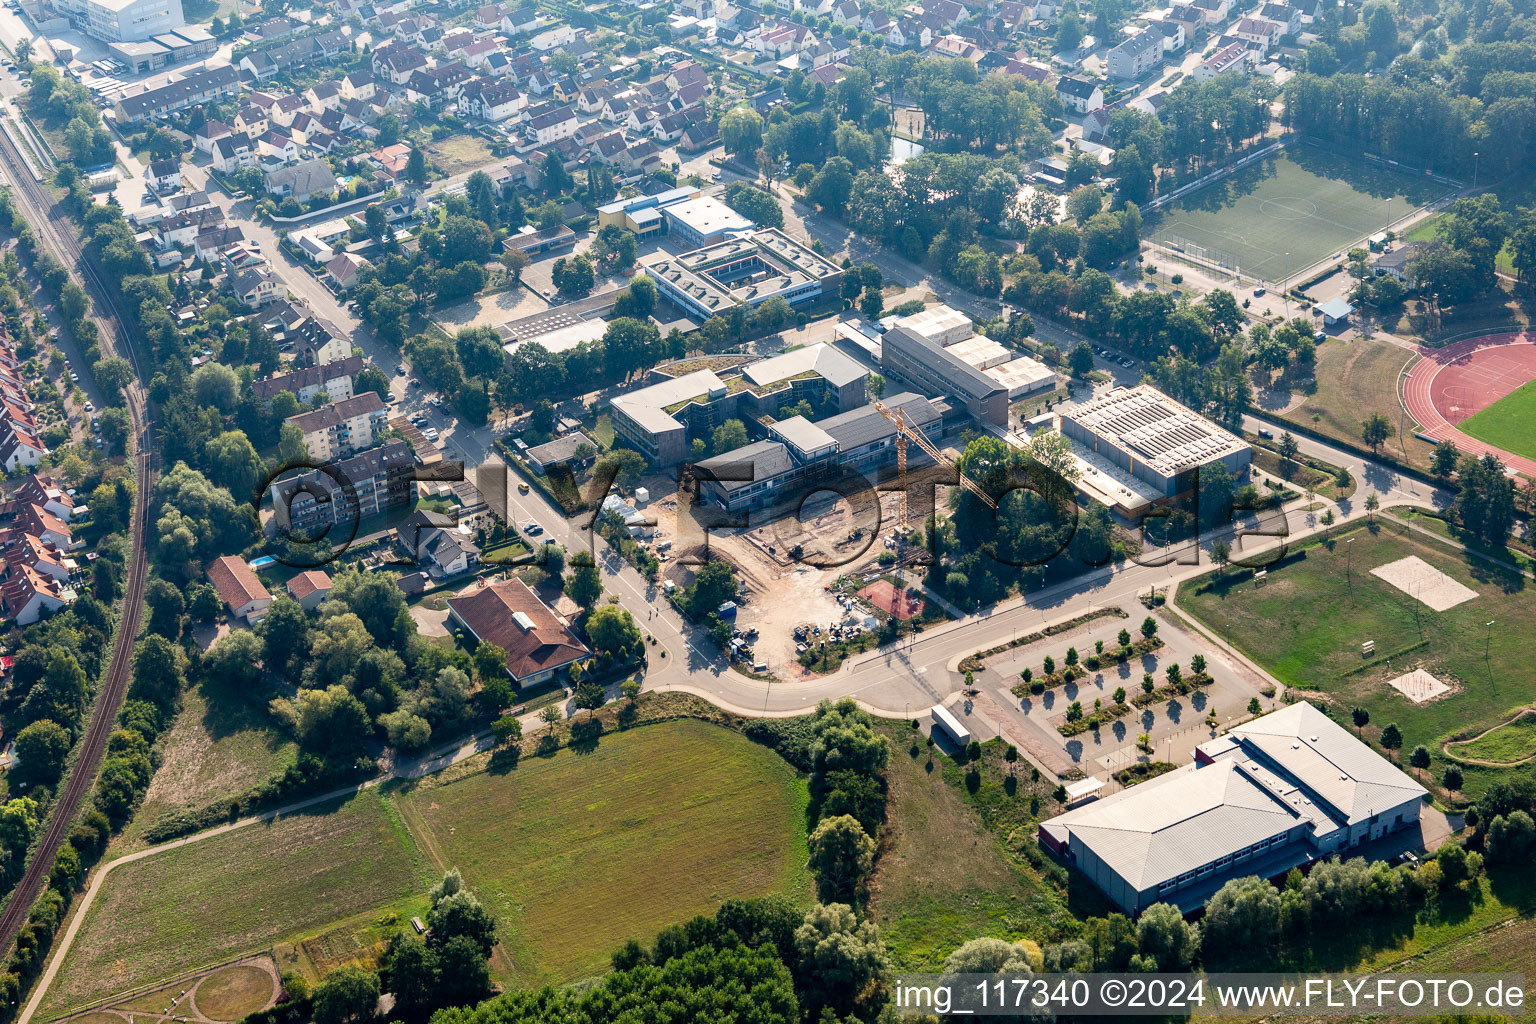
<point x="848" y="792"/>
<point x="758" y="960"/>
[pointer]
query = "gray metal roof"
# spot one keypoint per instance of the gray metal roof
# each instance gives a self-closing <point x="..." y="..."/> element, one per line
<point x="648" y="406"/>
<point x="859" y="427"/>
<point x="1178" y="822"/>
<point x="835" y="367"/>
<point x="1335" y="766"/>
<point x="971" y="382"/>
<point x="804" y="435"/>
<point x="767" y="459"/>
<point x="1292" y="767"/>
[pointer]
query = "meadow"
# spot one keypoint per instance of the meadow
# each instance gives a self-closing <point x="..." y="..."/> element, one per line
<point x="576" y="853"/>
<point x="1307" y="623"/>
<point x="208" y="902"/>
<point x="1355" y="378"/>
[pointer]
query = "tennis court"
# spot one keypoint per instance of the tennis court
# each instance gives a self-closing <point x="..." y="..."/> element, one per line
<point x="1285" y="214"/>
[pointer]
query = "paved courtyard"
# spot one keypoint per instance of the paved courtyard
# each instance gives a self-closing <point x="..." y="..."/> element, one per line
<point x="1174" y="727"/>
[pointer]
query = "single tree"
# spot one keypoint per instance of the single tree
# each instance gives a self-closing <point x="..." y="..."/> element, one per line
<point x="1444" y="458"/>
<point x="842" y="855"/>
<point x="1391" y="737"/>
<point x="1254" y="707"/>
<point x="508" y="730"/>
<point x="346" y="996"/>
<point x="1361" y="718"/>
<point x="416" y="166"/>
<point x="1375" y="430"/>
<point x="1372" y="503"/>
<point x="1221" y="554"/>
<point x="584" y="583"/>
<point x="1451" y="778"/>
<point x="1419" y="759"/>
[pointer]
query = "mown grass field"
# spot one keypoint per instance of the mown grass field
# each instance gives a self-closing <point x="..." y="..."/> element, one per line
<point x="1509" y="423"/>
<point x="219" y="747"/>
<point x="944" y="875"/>
<point x="208" y="902"/>
<point x="233" y="992"/>
<point x="577" y="853"/>
<point x="1307" y="623"/>
<point x="1354" y="379"/>
<point x="1282" y="215"/>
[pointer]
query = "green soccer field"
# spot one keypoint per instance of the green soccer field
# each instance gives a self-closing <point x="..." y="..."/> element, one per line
<point x="1507" y="423"/>
<point x="1282" y="215"/>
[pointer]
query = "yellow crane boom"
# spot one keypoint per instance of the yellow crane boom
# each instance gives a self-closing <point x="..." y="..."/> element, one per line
<point x="906" y="432"/>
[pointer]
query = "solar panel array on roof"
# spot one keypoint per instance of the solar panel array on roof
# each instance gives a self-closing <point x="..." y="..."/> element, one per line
<point x="1156" y="429"/>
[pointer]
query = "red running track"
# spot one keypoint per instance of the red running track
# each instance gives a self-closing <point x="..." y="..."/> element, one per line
<point x="1450" y="384"/>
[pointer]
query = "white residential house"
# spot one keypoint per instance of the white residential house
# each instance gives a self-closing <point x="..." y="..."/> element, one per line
<point x="232" y="152"/>
<point x="1236" y="58"/>
<point x="1079" y="94"/>
<point x="1137" y="56"/>
<point x="1172" y="33"/>
<point x="553" y="39"/>
<point x="341" y="428"/>
<point x="209" y="133"/>
<point x="1260" y="35"/>
<point x="254" y="287"/>
<point x="491" y="101"/>
<point x="552" y="126"/>
<point x="1287" y="17"/>
<point x="163" y="175"/>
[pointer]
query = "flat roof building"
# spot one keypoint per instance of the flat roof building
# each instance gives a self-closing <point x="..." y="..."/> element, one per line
<point x="1275" y="793"/>
<point x="1145" y="433"/>
<point x="642" y="214"/>
<point x="936" y="370"/>
<point x="746" y="270"/>
<point x="798" y="456"/>
<point x="115" y="21"/>
<point x="659" y="420"/>
<point x="704" y="221"/>
<point x="941" y="324"/>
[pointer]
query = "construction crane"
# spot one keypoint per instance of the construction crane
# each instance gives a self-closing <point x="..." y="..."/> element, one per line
<point x="906" y="432"/>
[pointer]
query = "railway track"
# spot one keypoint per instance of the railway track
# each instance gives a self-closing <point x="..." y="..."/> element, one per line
<point x="56" y="233"/>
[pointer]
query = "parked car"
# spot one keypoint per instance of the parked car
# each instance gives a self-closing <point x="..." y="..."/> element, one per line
<point x="1259" y="292"/>
<point x="532" y="528"/>
<point x="430" y="433"/>
<point x="1266" y="433"/>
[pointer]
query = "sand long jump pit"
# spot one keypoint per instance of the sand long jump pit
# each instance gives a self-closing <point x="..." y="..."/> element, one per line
<point x="1423" y="582"/>
<point x="1419" y="686"/>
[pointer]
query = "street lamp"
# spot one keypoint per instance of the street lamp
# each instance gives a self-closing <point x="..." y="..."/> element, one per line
<point x="1285" y="286"/>
<point x="1488" y="640"/>
<point x="1349" y="561"/>
<point x="1475" y="164"/>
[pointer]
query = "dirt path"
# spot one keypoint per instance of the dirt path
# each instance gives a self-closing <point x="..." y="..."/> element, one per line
<point x="1446" y="745"/>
